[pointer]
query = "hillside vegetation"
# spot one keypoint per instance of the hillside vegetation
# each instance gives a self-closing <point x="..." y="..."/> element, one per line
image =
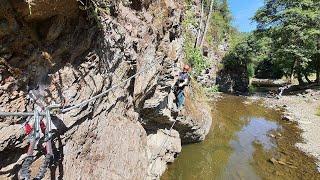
<point x="205" y="31"/>
<point x="286" y="43"/>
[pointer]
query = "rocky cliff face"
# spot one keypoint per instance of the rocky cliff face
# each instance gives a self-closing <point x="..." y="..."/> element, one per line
<point x="233" y="81"/>
<point x="66" y="55"/>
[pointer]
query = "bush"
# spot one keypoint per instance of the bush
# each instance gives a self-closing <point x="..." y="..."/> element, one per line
<point x="212" y="89"/>
<point x="193" y="55"/>
<point x="266" y="69"/>
<point x="196" y="60"/>
<point x="252" y="89"/>
<point x="218" y="29"/>
<point x="250" y="70"/>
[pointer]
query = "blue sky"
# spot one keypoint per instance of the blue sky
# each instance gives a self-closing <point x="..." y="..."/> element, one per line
<point x="242" y="11"/>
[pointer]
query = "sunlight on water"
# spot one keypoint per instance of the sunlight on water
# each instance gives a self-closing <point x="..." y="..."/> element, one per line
<point x="228" y="150"/>
<point x="238" y="166"/>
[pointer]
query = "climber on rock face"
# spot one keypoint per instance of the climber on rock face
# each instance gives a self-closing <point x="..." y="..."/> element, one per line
<point x="182" y="82"/>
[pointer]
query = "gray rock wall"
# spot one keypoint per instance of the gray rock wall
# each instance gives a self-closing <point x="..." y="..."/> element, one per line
<point x="65" y="58"/>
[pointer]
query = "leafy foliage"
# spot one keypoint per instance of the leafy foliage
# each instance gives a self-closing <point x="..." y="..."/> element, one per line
<point x="193" y="55"/>
<point x="196" y="59"/>
<point x="220" y="23"/>
<point x="266" y="69"/>
<point x="241" y="57"/>
<point x="253" y="54"/>
<point x="294" y="28"/>
<point x="287" y="41"/>
<point x="212" y="89"/>
<point x="218" y="30"/>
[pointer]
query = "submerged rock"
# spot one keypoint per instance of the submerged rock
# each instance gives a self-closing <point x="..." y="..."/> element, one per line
<point x="287" y="118"/>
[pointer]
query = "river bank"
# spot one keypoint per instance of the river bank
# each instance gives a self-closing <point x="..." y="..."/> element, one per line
<point x="246" y="141"/>
<point x="301" y="108"/>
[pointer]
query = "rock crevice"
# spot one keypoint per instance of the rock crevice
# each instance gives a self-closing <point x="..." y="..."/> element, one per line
<point x="62" y="56"/>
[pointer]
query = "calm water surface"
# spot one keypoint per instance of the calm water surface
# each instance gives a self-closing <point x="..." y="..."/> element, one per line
<point x="227" y="153"/>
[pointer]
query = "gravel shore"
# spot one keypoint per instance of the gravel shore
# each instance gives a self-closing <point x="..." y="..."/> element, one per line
<point x="302" y="108"/>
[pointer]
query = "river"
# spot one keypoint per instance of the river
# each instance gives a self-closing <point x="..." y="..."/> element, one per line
<point x="246" y="141"/>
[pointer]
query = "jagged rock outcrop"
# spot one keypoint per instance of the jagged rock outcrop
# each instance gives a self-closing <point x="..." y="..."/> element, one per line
<point x="163" y="147"/>
<point x="208" y="77"/>
<point x="63" y="56"/>
<point x="158" y="110"/>
<point x="195" y="120"/>
<point x="82" y="61"/>
<point x="233" y="81"/>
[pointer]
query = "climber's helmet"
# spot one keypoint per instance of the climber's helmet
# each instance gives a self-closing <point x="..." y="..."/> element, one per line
<point x="186" y="68"/>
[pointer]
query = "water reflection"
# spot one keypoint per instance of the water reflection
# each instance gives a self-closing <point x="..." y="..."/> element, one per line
<point x="239" y="166"/>
<point x="227" y="152"/>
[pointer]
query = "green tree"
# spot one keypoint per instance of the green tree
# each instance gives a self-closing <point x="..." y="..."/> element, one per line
<point x="241" y="57"/>
<point x="253" y="53"/>
<point x="225" y="11"/>
<point x="293" y="26"/>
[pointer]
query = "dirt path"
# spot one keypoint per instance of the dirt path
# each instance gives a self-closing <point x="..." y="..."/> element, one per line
<point x="302" y="108"/>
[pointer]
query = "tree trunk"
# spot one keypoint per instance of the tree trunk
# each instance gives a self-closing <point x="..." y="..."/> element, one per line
<point x="292" y="71"/>
<point x="299" y="72"/>
<point x="291" y="77"/>
<point x="318" y="69"/>
<point x="207" y="25"/>
<point x="318" y="76"/>
<point x="200" y="28"/>
<point x="307" y="78"/>
<point x="300" y="80"/>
